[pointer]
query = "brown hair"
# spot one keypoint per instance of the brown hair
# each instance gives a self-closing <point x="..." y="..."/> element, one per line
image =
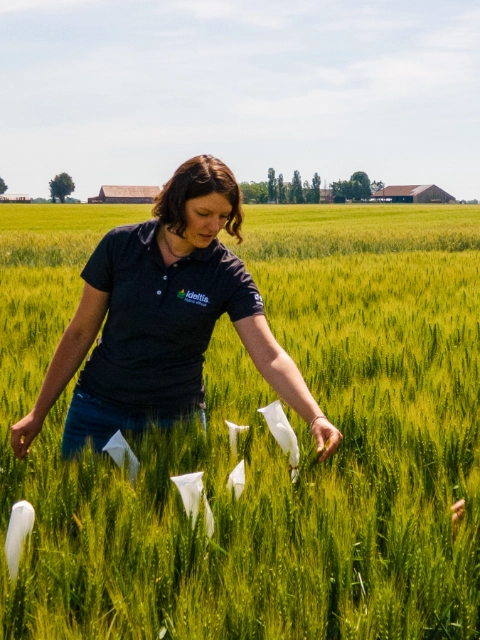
<point x="195" y="178"/>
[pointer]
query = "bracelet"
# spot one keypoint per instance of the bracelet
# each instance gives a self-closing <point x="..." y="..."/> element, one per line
<point x="321" y="415"/>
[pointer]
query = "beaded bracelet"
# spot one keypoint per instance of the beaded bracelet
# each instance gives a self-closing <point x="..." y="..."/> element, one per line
<point x="316" y="418"/>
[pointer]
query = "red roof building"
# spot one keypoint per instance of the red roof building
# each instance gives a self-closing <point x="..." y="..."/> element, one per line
<point x="114" y="194"/>
<point x="417" y="193"/>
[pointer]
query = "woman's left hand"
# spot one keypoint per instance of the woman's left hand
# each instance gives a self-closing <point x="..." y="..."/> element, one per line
<point x="282" y="374"/>
<point x="327" y="437"/>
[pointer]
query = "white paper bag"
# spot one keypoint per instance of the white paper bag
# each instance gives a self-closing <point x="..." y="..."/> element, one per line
<point x="117" y="446"/>
<point x="234" y="430"/>
<point x="209" y="522"/>
<point x="283" y="433"/>
<point x="191" y="490"/>
<point x="19" y="527"/>
<point x="236" y="479"/>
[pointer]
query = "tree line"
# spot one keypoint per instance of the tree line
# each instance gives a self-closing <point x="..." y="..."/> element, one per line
<point x="273" y="190"/>
<point x="60" y="186"/>
<point x="276" y="190"/>
<point x="358" y="188"/>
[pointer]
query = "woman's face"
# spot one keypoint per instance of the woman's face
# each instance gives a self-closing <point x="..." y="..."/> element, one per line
<point x="206" y="216"/>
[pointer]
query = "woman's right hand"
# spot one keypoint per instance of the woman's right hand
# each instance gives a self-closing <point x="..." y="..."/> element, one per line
<point x="23" y="433"/>
<point x="72" y="349"/>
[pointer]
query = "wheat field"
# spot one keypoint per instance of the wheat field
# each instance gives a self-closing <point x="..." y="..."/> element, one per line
<point x="379" y="307"/>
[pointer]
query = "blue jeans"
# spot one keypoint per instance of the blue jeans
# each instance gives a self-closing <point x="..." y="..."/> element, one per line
<point x="90" y="417"/>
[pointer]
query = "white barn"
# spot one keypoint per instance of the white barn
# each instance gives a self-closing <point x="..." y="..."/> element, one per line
<point x="15" y="197"/>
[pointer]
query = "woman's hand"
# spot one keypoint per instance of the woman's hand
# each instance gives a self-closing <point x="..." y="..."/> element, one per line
<point x="282" y="374"/>
<point x="69" y="355"/>
<point x="23" y="434"/>
<point x="327" y="437"/>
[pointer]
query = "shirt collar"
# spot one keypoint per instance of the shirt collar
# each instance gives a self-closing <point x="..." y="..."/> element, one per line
<point x="148" y="231"/>
<point x="205" y="254"/>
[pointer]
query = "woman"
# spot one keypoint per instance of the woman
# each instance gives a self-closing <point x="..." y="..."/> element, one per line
<point x="164" y="283"/>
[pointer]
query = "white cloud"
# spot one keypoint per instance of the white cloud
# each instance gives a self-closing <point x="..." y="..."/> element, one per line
<point x="296" y="84"/>
<point x="13" y="6"/>
<point x="402" y="78"/>
<point x="269" y="14"/>
<point x="414" y="73"/>
<point x="312" y="104"/>
<point x="363" y="21"/>
<point x="460" y="35"/>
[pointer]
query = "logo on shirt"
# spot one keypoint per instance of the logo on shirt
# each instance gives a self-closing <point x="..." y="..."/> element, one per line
<point x="258" y="298"/>
<point x="197" y="298"/>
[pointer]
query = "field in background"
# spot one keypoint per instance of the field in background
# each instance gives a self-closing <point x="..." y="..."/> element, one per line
<point x="388" y="338"/>
<point x="100" y="218"/>
<point x="55" y="235"/>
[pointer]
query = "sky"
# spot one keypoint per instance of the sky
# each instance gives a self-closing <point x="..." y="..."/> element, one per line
<point x="123" y="91"/>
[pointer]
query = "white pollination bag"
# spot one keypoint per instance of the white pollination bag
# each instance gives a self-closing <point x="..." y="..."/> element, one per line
<point x="191" y="489"/>
<point x="236" y="479"/>
<point x="117" y="447"/>
<point x="283" y="433"/>
<point x="19" y="527"/>
<point x="209" y="522"/>
<point x="234" y="430"/>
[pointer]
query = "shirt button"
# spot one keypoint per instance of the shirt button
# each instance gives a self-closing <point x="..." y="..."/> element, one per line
<point x="164" y="277"/>
<point x="159" y="292"/>
<point x="175" y="264"/>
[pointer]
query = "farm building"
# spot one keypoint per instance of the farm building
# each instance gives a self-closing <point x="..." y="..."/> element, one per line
<point x="16" y="197"/>
<point x="110" y="194"/>
<point x="418" y="193"/>
<point x="326" y="195"/>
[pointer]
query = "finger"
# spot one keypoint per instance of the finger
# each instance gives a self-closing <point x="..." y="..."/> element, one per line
<point x="19" y="444"/>
<point x="330" y="447"/>
<point x="458" y="505"/>
<point x="457" y="515"/>
<point x="458" y="510"/>
<point x="26" y="442"/>
<point x="15" y="442"/>
<point x="320" y="443"/>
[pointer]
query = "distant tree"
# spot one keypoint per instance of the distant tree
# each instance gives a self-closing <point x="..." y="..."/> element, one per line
<point x="245" y="190"/>
<point x="272" y="186"/>
<point x="282" y="194"/>
<point x="316" y="183"/>
<point x="296" y="195"/>
<point x="262" y="192"/>
<point x="290" y="193"/>
<point x="357" y="188"/>
<point x="45" y="201"/>
<point x="254" y="192"/>
<point x="342" y="190"/>
<point x="307" y="192"/>
<point x="61" y="186"/>
<point x="377" y="186"/>
<point x="3" y="186"/>
<point x="360" y="186"/>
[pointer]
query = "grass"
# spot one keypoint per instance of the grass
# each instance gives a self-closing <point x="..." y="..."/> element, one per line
<point x="360" y="548"/>
<point x="56" y="235"/>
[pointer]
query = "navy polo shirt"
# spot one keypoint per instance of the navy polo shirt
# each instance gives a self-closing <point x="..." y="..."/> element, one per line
<point x="160" y="320"/>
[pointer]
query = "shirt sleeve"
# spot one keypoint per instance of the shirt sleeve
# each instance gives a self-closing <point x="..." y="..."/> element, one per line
<point x="246" y="299"/>
<point x="98" y="272"/>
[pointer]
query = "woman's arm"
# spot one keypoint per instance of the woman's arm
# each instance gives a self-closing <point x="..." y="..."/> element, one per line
<point x="69" y="355"/>
<point x="282" y="374"/>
